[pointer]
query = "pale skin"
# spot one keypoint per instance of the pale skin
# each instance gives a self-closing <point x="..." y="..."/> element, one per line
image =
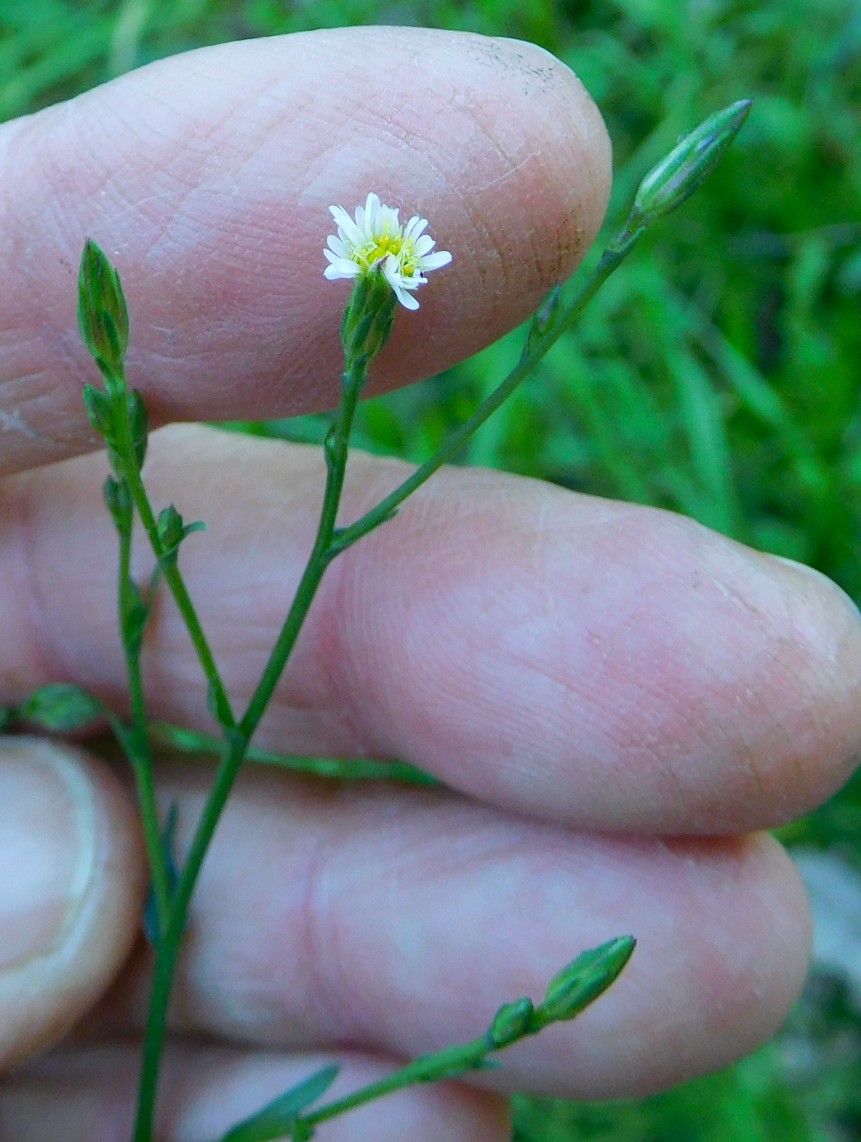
<point x="591" y="680"/>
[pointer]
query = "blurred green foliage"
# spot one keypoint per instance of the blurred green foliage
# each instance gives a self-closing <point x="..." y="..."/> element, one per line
<point x="717" y="375"/>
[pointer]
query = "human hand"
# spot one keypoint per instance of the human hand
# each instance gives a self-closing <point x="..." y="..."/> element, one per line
<point x="614" y="696"/>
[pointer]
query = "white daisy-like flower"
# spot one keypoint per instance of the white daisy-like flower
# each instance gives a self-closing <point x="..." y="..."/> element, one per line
<point x="375" y="240"/>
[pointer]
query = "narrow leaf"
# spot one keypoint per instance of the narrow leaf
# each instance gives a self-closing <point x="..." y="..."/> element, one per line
<point x="100" y="410"/>
<point x="139" y="420"/>
<point x="118" y="501"/>
<point x="60" y="707"/>
<point x="543" y="319"/>
<point x="135" y="616"/>
<point x="278" y="1118"/>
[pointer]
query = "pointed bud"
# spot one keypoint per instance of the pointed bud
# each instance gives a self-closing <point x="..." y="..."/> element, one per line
<point x="511" y="1022"/>
<point x="172" y="530"/>
<point x="688" y="164"/>
<point x="584" y="979"/>
<point x="103" y="318"/>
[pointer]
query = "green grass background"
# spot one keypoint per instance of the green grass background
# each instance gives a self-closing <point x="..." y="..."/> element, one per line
<point x="717" y="374"/>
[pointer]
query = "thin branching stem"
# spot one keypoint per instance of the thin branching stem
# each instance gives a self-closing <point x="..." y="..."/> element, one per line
<point x="176" y="585"/>
<point x="237" y="740"/>
<point x="540" y="345"/>
<point x="136" y="741"/>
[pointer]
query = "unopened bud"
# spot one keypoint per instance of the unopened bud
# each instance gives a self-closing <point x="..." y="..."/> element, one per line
<point x="584" y="979"/>
<point x="689" y="163"/>
<point x="511" y="1022"/>
<point x="103" y="318"/>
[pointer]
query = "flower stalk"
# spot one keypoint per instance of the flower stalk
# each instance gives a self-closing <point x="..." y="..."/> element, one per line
<point x="367" y="324"/>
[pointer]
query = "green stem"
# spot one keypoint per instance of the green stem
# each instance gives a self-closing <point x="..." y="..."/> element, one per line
<point x="448" y="1063"/>
<point x="136" y="742"/>
<point x="569" y="993"/>
<point x="611" y="259"/>
<point x="337" y="768"/>
<point x="237" y="742"/>
<point x="173" y="575"/>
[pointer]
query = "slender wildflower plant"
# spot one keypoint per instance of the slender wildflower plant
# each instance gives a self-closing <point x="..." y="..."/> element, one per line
<point x="388" y="263"/>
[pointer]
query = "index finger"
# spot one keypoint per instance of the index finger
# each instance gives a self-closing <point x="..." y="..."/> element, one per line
<point x="207" y="178"/>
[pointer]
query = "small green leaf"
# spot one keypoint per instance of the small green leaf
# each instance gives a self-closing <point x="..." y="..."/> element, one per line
<point x="279" y="1118"/>
<point x="100" y="410"/>
<point x="168" y="850"/>
<point x="544" y="318"/>
<point x="103" y="317"/>
<point x="584" y="979"/>
<point x="139" y="422"/>
<point x="118" y="501"/>
<point x="60" y="707"/>
<point x="135" y="615"/>
<point x="220" y="711"/>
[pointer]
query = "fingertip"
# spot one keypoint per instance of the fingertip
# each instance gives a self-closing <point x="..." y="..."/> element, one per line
<point x="687" y="684"/>
<point x="70" y="891"/>
<point x="753" y="666"/>
<point x="792" y="674"/>
<point x="716" y="984"/>
<point x="750" y="985"/>
<point x="208" y="179"/>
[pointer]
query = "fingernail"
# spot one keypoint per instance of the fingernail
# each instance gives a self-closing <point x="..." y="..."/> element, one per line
<point x="47" y="848"/>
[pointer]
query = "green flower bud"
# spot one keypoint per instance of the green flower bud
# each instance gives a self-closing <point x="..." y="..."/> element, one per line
<point x="511" y="1022"/>
<point x="103" y="318"/>
<point x="369" y="317"/>
<point x="688" y="164"/>
<point x="584" y="979"/>
<point x="172" y="530"/>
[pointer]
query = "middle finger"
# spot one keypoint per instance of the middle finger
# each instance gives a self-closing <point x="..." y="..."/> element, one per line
<point x="594" y="663"/>
<point x="398" y="920"/>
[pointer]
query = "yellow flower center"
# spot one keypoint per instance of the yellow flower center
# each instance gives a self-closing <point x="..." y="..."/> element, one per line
<point x="384" y="244"/>
<point x="376" y="251"/>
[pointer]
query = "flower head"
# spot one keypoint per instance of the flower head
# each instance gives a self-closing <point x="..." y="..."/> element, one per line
<point x="374" y="240"/>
